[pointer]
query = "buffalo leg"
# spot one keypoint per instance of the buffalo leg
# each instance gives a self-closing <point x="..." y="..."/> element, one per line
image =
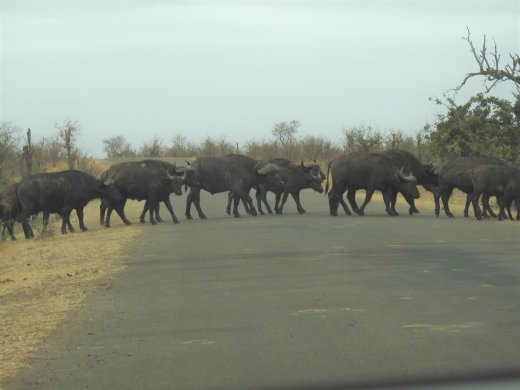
<point x="9" y="226"/>
<point x="236" y="201"/>
<point x="194" y="197"/>
<point x="152" y="205"/>
<point x="445" y="197"/>
<point x="258" y="197"/>
<point x="466" y="206"/>
<point x="296" y="197"/>
<point x="277" y="200"/>
<point x="143" y="213"/>
<point x="65" y="215"/>
<point x="387" y="199"/>
<point x="284" y="199"/>
<point x="487" y="208"/>
<point x="169" y="206"/>
<point x="27" y="230"/>
<point x="102" y="210"/>
<point x="266" y="203"/>
<point x="230" y="199"/>
<point x="476" y="208"/>
<point x="393" y="201"/>
<point x="351" y="196"/>
<point x="333" y="203"/>
<point x="368" y="197"/>
<point x="80" y="214"/>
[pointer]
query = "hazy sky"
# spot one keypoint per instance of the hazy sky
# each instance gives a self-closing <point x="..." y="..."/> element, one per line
<point x="235" y="68"/>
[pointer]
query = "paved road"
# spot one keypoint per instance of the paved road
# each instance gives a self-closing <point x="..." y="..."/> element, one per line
<point x="296" y="301"/>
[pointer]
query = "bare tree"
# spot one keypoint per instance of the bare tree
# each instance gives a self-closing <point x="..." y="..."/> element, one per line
<point x="68" y="133"/>
<point x="489" y="66"/>
<point x="154" y="148"/>
<point x="285" y="132"/>
<point x="27" y="153"/>
<point x="117" y="147"/>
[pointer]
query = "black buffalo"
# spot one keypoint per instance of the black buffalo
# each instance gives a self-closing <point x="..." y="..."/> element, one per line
<point x="234" y="173"/>
<point x="371" y="172"/>
<point x="495" y="180"/>
<point x="60" y="192"/>
<point x="160" y="165"/>
<point x="141" y="181"/>
<point x="295" y="178"/>
<point x="424" y="173"/>
<point x="455" y="173"/>
<point x="9" y="210"/>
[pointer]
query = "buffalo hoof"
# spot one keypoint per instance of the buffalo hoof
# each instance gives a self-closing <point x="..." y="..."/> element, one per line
<point x="175" y="220"/>
<point x="159" y="219"/>
<point x="451" y="216"/>
<point x="302" y="211"/>
<point x="84" y="229"/>
<point x="279" y="212"/>
<point x="153" y="222"/>
<point x="334" y="214"/>
<point x="142" y="220"/>
<point x="466" y="215"/>
<point x="202" y="216"/>
<point x="228" y="211"/>
<point x="189" y="217"/>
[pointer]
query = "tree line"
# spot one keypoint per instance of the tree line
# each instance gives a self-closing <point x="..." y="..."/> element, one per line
<point x="484" y="125"/>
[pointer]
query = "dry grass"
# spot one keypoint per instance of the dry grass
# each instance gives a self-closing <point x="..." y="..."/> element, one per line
<point x="42" y="280"/>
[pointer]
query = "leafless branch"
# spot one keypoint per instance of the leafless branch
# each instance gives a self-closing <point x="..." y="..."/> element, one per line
<point x="489" y="66"/>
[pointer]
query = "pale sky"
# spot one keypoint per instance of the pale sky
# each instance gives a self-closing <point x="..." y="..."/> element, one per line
<point x="235" y="68"/>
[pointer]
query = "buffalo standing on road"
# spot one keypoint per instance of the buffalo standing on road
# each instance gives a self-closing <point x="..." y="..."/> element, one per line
<point x="295" y="178"/>
<point x="139" y="182"/>
<point x="371" y="172"/>
<point x="60" y="192"/>
<point x="235" y="173"/>
<point x="495" y="180"/>
<point x="424" y="174"/>
<point x="455" y="173"/>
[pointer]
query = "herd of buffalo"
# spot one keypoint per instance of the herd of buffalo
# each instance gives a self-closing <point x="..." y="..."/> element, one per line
<point x="153" y="181"/>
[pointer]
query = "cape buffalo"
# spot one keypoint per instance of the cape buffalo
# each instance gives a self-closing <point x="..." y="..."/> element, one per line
<point x="424" y="174"/>
<point x="369" y="171"/>
<point x="60" y="192"/>
<point x="455" y="173"/>
<point x="139" y="182"/>
<point x="295" y="178"/>
<point x="160" y="165"/>
<point x="235" y="173"/>
<point x="9" y="209"/>
<point x="495" y="180"/>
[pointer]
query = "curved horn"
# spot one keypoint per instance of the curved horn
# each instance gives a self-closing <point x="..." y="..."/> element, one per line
<point x="108" y="181"/>
<point x="309" y="165"/>
<point x="405" y="177"/>
<point x="268" y="168"/>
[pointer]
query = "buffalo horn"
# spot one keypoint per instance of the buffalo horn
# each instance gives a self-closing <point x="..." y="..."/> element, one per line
<point x="405" y="177"/>
<point x="268" y="168"/>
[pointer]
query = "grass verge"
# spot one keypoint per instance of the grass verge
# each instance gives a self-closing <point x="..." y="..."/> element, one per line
<point x="42" y="280"/>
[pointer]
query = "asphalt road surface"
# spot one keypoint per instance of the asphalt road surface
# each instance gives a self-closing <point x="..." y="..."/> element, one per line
<point x="295" y="301"/>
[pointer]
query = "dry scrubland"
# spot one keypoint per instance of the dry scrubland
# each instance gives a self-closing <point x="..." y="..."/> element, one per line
<point x="42" y="280"/>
